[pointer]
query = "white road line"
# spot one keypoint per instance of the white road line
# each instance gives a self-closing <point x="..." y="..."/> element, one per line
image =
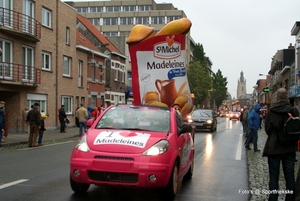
<point x="238" y="155"/>
<point x="13" y="183"/>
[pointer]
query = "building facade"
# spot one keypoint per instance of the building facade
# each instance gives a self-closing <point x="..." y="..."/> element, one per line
<point x="241" y="86"/>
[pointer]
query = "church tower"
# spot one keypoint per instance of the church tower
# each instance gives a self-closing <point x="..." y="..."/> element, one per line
<point x="241" y="87"/>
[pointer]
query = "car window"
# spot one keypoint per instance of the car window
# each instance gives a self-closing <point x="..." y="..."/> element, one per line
<point x="136" y="118"/>
<point x="201" y="113"/>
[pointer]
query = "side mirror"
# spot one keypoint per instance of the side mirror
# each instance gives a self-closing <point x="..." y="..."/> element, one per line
<point x="186" y="128"/>
<point x="89" y="122"/>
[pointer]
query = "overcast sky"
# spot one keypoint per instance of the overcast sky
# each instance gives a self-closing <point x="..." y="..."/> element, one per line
<point x="241" y="35"/>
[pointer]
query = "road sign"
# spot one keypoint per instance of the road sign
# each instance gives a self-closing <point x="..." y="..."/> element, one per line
<point x="266" y="90"/>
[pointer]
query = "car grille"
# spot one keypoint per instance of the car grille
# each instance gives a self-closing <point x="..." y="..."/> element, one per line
<point x="113" y="177"/>
<point x="200" y="121"/>
<point x="114" y="158"/>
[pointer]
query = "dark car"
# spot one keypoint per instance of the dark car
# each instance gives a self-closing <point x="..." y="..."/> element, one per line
<point x="204" y="119"/>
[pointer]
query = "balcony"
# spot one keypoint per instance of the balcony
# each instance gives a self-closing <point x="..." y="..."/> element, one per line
<point x="18" y="74"/>
<point x="20" y="25"/>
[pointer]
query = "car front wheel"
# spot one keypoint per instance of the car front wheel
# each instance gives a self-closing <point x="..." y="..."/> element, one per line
<point x="171" y="189"/>
<point x="78" y="187"/>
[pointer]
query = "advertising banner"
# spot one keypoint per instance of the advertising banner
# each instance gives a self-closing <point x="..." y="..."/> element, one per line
<point x="159" y="72"/>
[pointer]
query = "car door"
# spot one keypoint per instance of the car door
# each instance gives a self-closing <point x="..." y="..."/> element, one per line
<point x="184" y="145"/>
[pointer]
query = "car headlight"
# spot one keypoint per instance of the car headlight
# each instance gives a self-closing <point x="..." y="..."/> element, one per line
<point x="159" y="148"/>
<point x="82" y="145"/>
<point x="190" y="120"/>
<point x="209" y="121"/>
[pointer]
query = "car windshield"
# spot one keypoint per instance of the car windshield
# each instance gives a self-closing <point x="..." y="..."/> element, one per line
<point x="128" y="117"/>
<point x="202" y="113"/>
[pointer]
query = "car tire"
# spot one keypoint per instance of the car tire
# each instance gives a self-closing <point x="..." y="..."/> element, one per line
<point x="190" y="172"/>
<point x="171" y="189"/>
<point x="78" y="187"/>
<point x="212" y="129"/>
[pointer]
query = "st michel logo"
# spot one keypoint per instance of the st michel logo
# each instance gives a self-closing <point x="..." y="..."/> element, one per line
<point x="168" y="49"/>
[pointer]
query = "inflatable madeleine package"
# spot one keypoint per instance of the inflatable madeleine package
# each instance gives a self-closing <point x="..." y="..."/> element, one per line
<point x="158" y="66"/>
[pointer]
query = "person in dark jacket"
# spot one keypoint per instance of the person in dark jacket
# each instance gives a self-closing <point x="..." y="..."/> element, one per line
<point x="277" y="153"/>
<point x="253" y="125"/>
<point x="62" y="116"/>
<point x="34" y="118"/>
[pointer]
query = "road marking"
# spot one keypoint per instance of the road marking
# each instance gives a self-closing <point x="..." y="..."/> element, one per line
<point x="13" y="183"/>
<point x="238" y="155"/>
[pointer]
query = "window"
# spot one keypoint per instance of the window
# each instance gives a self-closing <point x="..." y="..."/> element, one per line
<point x="144" y="8"/>
<point x="82" y="9"/>
<point x="37" y="98"/>
<point x="157" y="20"/>
<point x="27" y="64"/>
<point x="126" y="20"/>
<point x="110" y="33"/>
<point x="100" y="74"/>
<point x="5" y="68"/>
<point x="96" y="9"/>
<point x="95" y="21"/>
<point x="93" y="72"/>
<point x="110" y="21"/>
<point x="67" y="102"/>
<point x="142" y="20"/>
<point x="117" y="72"/>
<point x="171" y="18"/>
<point x="68" y="35"/>
<point x="94" y="100"/>
<point x="123" y="73"/>
<point x="46" y="61"/>
<point x="46" y="17"/>
<point x="80" y="77"/>
<point x="129" y="8"/>
<point x="67" y="66"/>
<point x="113" y="8"/>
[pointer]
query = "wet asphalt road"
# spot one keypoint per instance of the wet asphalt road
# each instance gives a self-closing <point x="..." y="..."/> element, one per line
<point x="43" y="173"/>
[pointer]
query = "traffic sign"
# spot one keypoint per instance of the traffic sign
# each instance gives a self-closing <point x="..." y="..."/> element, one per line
<point x="266" y="90"/>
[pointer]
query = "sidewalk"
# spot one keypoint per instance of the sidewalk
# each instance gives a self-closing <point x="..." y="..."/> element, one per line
<point x="49" y="135"/>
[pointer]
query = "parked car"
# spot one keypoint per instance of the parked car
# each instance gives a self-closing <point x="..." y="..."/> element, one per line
<point x="134" y="146"/>
<point x="234" y="115"/>
<point x="204" y="119"/>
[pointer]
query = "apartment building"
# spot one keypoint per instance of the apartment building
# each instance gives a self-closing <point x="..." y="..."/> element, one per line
<point x="105" y="66"/>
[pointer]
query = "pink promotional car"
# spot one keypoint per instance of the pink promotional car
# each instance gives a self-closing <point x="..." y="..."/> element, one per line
<point x="134" y="146"/>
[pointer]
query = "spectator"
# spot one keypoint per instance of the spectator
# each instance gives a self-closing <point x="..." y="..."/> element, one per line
<point x="42" y="129"/>
<point x="276" y="152"/>
<point x="62" y="116"/>
<point x="254" y="124"/>
<point x="34" y="118"/>
<point x="95" y="113"/>
<point x="89" y="110"/>
<point x="2" y="121"/>
<point x="82" y="116"/>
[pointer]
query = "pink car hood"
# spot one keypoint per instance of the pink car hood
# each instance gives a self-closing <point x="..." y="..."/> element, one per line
<point x="122" y="141"/>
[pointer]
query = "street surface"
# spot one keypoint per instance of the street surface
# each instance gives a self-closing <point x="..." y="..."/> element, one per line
<point x="42" y="173"/>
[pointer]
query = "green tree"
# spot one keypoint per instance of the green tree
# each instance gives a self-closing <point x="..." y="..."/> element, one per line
<point x="219" y="92"/>
<point x="199" y="54"/>
<point x="199" y="81"/>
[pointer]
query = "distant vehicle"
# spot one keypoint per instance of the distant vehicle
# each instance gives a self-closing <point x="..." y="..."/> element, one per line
<point x="134" y="146"/>
<point x="204" y="119"/>
<point x="223" y="114"/>
<point x="234" y="115"/>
